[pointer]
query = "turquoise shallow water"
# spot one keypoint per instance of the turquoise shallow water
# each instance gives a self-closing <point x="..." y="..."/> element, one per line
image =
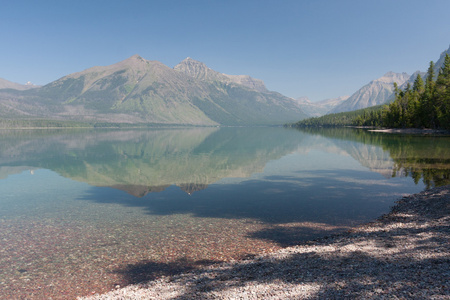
<point x="84" y="211"/>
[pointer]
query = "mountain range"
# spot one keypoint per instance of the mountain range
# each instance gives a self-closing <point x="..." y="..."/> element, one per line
<point x="137" y="90"/>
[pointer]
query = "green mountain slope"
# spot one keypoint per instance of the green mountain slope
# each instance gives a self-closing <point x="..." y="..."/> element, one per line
<point x="142" y="91"/>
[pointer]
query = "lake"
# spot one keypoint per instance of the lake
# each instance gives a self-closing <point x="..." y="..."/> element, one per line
<point x="84" y="211"/>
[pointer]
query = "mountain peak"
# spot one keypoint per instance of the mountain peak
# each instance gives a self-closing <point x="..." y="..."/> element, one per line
<point x="196" y="69"/>
<point x="391" y="77"/>
<point x="135" y="58"/>
<point x="199" y="70"/>
<point x="189" y="59"/>
<point x="190" y="62"/>
<point x="136" y="62"/>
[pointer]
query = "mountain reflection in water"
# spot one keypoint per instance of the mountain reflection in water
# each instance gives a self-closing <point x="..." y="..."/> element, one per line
<point x="143" y="161"/>
<point x="149" y="161"/>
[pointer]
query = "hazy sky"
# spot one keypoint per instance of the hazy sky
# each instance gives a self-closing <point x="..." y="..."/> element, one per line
<point x="316" y="48"/>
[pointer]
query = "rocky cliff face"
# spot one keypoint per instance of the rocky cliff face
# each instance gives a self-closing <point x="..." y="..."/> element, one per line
<point x="200" y="71"/>
<point x="440" y="62"/>
<point x="374" y="93"/>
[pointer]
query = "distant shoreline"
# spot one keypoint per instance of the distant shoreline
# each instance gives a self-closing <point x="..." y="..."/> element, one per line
<point x="411" y="131"/>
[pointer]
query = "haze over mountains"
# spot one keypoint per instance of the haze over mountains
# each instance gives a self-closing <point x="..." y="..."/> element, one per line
<point x="374" y="93"/>
<point x="141" y="91"/>
<point x="320" y="108"/>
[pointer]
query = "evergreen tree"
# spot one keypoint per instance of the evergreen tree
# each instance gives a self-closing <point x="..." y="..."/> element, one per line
<point x="416" y="101"/>
<point x="428" y="115"/>
<point x="430" y="75"/>
<point x="419" y="85"/>
<point x="442" y="94"/>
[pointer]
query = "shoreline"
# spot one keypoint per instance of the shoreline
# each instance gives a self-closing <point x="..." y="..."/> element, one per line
<point x="411" y="131"/>
<point x="403" y="254"/>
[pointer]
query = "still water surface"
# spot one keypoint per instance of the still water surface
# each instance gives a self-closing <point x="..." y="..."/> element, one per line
<point x="83" y="211"/>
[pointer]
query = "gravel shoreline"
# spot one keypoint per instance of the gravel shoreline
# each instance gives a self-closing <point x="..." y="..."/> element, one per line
<point x="403" y="255"/>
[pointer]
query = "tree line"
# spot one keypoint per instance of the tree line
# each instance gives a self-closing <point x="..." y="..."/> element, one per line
<point x="38" y="123"/>
<point x="425" y="104"/>
<point x="51" y="124"/>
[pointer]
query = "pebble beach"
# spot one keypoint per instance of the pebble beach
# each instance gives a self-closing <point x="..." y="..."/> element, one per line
<point x="405" y="254"/>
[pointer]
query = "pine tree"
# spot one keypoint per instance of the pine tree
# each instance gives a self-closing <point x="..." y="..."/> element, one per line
<point x="419" y="84"/>
<point x="428" y="115"/>
<point x="442" y="94"/>
<point x="430" y="75"/>
<point x="416" y="101"/>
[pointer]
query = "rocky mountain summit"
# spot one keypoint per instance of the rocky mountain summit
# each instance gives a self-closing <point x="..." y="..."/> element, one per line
<point x="200" y="71"/>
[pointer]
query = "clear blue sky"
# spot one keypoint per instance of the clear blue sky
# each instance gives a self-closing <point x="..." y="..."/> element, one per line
<point x="316" y="48"/>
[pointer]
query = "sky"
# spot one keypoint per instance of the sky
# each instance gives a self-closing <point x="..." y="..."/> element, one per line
<point x="315" y="48"/>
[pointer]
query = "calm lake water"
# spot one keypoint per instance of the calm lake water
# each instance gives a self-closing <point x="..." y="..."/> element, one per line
<point x="83" y="211"/>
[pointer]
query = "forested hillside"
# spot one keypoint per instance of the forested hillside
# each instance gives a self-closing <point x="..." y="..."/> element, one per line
<point x="425" y="104"/>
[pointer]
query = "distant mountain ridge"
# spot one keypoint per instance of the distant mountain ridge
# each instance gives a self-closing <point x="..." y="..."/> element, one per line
<point x="320" y="108"/>
<point x="5" y="84"/>
<point x="374" y="93"/>
<point x="137" y="90"/>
